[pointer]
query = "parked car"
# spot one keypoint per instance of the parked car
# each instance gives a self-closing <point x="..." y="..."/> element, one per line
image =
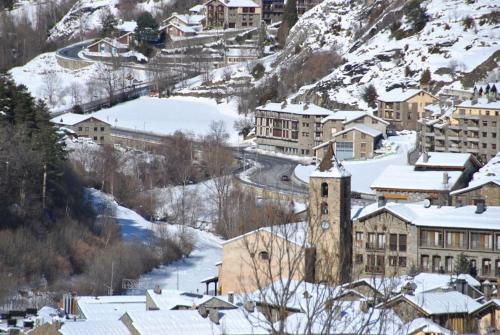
<point x="285" y="178"/>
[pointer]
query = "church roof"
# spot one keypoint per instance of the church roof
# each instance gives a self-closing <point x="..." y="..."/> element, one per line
<point x="330" y="166"/>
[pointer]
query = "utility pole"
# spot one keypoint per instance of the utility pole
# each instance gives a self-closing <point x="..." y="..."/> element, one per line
<point x="112" y="273"/>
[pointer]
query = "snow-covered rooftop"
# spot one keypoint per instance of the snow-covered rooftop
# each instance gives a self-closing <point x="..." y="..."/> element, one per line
<point x="436" y="303"/>
<point x="181" y="27"/>
<point x="128" y="26"/>
<point x="444" y="159"/>
<point x="426" y="326"/>
<point x="490" y="173"/>
<point x="362" y="128"/>
<point x="293" y="232"/>
<point x="435" y="216"/>
<point x="70" y="119"/>
<point x="240" y="3"/>
<point x="170" y="299"/>
<point x="300" y="109"/>
<point x="403" y="177"/>
<point x="196" y="9"/>
<point x="93" y="327"/>
<point x="398" y="95"/>
<point x="110" y="307"/>
<point x="481" y="103"/>
<point x="186" y="322"/>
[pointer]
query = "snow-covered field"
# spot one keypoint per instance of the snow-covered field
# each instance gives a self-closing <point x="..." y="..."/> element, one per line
<point x="184" y="274"/>
<point x="43" y="74"/>
<point x="363" y="173"/>
<point x="166" y="115"/>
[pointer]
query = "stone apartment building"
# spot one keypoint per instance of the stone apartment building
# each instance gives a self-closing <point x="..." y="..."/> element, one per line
<point x="289" y="128"/>
<point x="233" y="13"/>
<point x="391" y="238"/>
<point x="402" y="108"/>
<point x="473" y="127"/>
<point x="272" y="10"/>
<point x="86" y="126"/>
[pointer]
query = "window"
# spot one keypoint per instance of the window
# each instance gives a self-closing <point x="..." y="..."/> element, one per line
<point x="393" y="242"/>
<point x="402" y="262"/>
<point x="455" y="240"/>
<point x="393" y="261"/>
<point x="324" y="189"/>
<point x="372" y="241"/>
<point x="102" y="128"/>
<point x="497" y="268"/>
<point x="324" y="208"/>
<point x="481" y="241"/>
<point x="363" y="135"/>
<point x="381" y="241"/>
<point x="402" y="242"/>
<point x="485" y="134"/>
<point x="374" y="121"/>
<point x="424" y="262"/>
<point x="363" y="145"/>
<point x="95" y="138"/>
<point x="485" y="123"/>
<point x="358" y="259"/>
<point x="448" y="263"/>
<point x="436" y="264"/>
<point x="95" y="128"/>
<point x="79" y="128"/>
<point x="264" y="255"/>
<point x="359" y="236"/>
<point x="486" y="269"/>
<point x="430" y="238"/>
<point x="344" y="135"/>
<point x="102" y="138"/>
<point x="498" y="242"/>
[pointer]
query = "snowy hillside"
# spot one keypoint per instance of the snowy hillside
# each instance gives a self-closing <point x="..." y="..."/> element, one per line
<point x="85" y="16"/>
<point x="458" y="37"/>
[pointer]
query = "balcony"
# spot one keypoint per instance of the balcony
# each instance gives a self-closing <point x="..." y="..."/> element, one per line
<point x="379" y="269"/>
<point x="374" y="246"/>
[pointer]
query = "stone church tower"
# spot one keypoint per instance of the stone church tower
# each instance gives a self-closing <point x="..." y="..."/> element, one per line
<point x="330" y="225"/>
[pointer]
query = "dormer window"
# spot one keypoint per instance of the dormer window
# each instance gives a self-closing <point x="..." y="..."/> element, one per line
<point x="324" y="189"/>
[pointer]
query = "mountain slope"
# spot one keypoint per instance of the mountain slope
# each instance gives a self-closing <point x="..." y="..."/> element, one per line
<point x="458" y="37"/>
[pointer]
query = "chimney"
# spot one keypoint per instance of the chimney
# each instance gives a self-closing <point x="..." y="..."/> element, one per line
<point x="445" y="179"/>
<point x="214" y="316"/>
<point x="380" y="201"/>
<point x="425" y="156"/>
<point x="203" y="311"/>
<point x="487" y="290"/>
<point x="461" y="285"/>
<point x="363" y="306"/>
<point x="230" y="297"/>
<point x="157" y="289"/>
<point x="409" y="288"/>
<point x="283" y="104"/>
<point x="480" y="206"/>
<point x="249" y="306"/>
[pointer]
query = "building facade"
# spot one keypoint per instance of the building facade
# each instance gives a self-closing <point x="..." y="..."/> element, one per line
<point x="272" y="10"/>
<point x="289" y="128"/>
<point x="403" y="108"/>
<point x="392" y="238"/>
<point x="473" y="127"/>
<point x="86" y="126"/>
<point x="233" y="14"/>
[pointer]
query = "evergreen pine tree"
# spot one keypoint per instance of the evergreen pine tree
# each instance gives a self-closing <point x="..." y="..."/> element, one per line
<point x="425" y="79"/>
<point x="109" y="23"/>
<point x="147" y="28"/>
<point x="370" y="95"/>
<point x="462" y="264"/>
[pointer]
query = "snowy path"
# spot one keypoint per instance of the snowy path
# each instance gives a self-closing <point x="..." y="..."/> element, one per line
<point x="365" y="172"/>
<point x="184" y="274"/>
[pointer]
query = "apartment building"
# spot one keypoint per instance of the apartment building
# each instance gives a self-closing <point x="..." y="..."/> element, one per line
<point x="272" y="10"/>
<point x="289" y="128"/>
<point x="232" y="13"/>
<point x="402" y="108"/>
<point x="473" y="127"/>
<point x="390" y="238"/>
<point x="305" y="5"/>
<point x="86" y="126"/>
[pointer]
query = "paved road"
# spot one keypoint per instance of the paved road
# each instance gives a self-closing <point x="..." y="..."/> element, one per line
<point x="71" y="51"/>
<point x="271" y="168"/>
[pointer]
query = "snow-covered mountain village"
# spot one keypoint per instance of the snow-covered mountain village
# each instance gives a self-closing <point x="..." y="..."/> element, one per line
<point x="249" y="167"/>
